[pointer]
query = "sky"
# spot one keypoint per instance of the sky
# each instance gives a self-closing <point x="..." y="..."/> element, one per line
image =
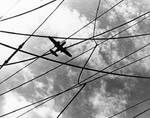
<point x="99" y="99"/>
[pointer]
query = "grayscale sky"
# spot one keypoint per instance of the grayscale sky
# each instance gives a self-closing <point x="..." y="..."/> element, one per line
<point x="99" y="99"/>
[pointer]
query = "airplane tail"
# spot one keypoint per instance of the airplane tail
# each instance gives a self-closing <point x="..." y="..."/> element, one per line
<point x="53" y="52"/>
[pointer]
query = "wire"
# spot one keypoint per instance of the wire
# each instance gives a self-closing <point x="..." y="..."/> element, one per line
<point x="4" y="80"/>
<point x="73" y="87"/>
<point x="5" y="62"/>
<point x="73" y="33"/>
<point x="77" y="85"/>
<point x="27" y="11"/>
<point x="60" y="38"/>
<point x="141" y="113"/>
<point x="94" y="41"/>
<point x="65" y="63"/>
<point x="83" y="66"/>
<point x="115" y="27"/>
<point x="145" y="100"/>
<point x="21" y="46"/>
<point x="31" y="62"/>
<point x="83" y="41"/>
<point x="89" y="57"/>
<point x="71" y="100"/>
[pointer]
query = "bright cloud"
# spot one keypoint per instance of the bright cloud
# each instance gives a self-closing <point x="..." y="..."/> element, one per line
<point x="14" y="101"/>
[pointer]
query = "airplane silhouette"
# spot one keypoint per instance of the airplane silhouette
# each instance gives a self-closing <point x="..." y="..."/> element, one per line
<point x="59" y="47"/>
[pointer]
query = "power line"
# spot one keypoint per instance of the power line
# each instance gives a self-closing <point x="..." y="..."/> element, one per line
<point x="94" y="41"/>
<point x="34" y="61"/>
<point x="71" y="100"/>
<point x="89" y="57"/>
<point x="124" y="37"/>
<point x="74" y="32"/>
<point x="115" y="27"/>
<point x="118" y="26"/>
<point x="65" y="63"/>
<point x="48" y="59"/>
<point x="145" y="100"/>
<point x="141" y="113"/>
<point x="21" y="45"/>
<point x="60" y="38"/>
<point x="84" y="65"/>
<point x="128" y="54"/>
<point x="4" y="80"/>
<point x="75" y="86"/>
<point x="6" y="61"/>
<point x="27" y="11"/>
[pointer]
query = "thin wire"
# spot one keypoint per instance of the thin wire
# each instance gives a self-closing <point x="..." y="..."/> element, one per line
<point x="33" y="33"/>
<point x="122" y="31"/>
<point x="145" y="100"/>
<point x="29" y="64"/>
<point x="71" y="100"/>
<point x="65" y="63"/>
<point x="60" y="38"/>
<point x="27" y="11"/>
<point x="94" y="41"/>
<point x="74" y="32"/>
<point x="115" y="27"/>
<point x="8" y="78"/>
<point x="83" y="66"/>
<point x="128" y="54"/>
<point x="141" y="113"/>
<point x="21" y="46"/>
<point x="83" y="41"/>
<point x="73" y="87"/>
<point x="5" y="62"/>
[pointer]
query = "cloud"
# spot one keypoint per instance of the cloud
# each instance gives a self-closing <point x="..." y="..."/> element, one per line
<point x="105" y="104"/>
<point x="14" y="101"/>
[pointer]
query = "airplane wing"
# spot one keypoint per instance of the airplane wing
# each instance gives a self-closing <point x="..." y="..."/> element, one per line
<point x="64" y="50"/>
<point x="53" y="52"/>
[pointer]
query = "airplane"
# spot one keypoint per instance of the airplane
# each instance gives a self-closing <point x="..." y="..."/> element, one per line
<point x="59" y="47"/>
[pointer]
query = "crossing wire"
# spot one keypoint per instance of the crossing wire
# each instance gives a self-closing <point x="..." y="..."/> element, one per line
<point x="27" y="11"/>
<point x="92" y="76"/>
<point x="129" y="53"/>
<point x="73" y="87"/>
<point x="74" y="32"/>
<point x="76" y="67"/>
<point x="37" y="58"/>
<point x="81" y="72"/>
<point x="94" y="41"/>
<point x="83" y="86"/>
<point x="21" y="45"/>
<point x="82" y="69"/>
<point x="83" y="66"/>
<point x="98" y="77"/>
<point x="90" y="56"/>
<point x="110" y="29"/>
